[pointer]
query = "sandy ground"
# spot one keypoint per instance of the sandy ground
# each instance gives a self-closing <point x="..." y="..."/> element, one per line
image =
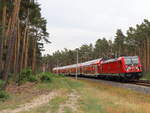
<point x="40" y="100"/>
<point x="71" y="102"/>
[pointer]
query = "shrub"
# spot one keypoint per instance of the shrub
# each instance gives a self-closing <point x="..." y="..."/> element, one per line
<point x="1" y="84"/>
<point x="26" y="72"/>
<point x="44" y="77"/>
<point x="3" y="95"/>
<point x="26" y="75"/>
<point x="146" y="75"/>
<point x="32" y="79"/>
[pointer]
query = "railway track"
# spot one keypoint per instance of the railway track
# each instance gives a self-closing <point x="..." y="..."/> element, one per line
<point x="142" y="86"/>
<point x="136" y="82"/>
<point x="141" y="82"/>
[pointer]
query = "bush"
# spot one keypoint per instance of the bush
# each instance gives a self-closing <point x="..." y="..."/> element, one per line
<point x="26" y="75"/>
<point x="32" y="79"/>
<point x="45" y="77"/>
<point x="1" y="84"/>
<point x="3" y="95"/>
<point x="147" y="75"/>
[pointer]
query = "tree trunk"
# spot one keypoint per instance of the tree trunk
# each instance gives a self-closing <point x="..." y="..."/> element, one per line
<point x="34" y="55"/>
<point x="26" y="51"/>
<point x="15" y="55"/>
<point x="145" y="56"/>
<point x="8" y="28"/>
<point x="12" y="40"/>
<point x="27" y="43"/>
<point x="148" y="60"/>
<point x="16" y="67"/>
<point x="24" y="46"/>
<point x="2" y="38"/>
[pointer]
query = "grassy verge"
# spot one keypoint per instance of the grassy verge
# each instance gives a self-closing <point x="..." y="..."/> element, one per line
<point x="91" y="97"/>
<point x="115" y="100"/>
<point x="51" y="107"/>
<point x="146" y="76"/>
<point x="96" y="98"/>
<point x="19" y="95"/>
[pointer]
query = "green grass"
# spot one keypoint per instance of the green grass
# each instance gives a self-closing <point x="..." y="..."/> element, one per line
<point x="67" y="110"/>
<point x="146" y="76"/>
<point x="51" y="107"/>
<point x="92" y="97"/>
<point x="14" y="101"/>
<point x="3" y="95"/>
<point x="90" y="104"/>
<point x="60" y="82"/>
<point x="54" y="104"/>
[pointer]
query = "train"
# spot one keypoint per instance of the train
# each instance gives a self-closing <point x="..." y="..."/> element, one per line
<point x="121" y="68"/>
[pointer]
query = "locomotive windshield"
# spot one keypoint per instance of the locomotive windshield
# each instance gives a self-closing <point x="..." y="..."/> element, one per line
<point x="131" y="60"/>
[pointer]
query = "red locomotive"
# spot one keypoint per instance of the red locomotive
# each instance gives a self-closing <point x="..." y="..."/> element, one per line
<point x="126" y="67"/>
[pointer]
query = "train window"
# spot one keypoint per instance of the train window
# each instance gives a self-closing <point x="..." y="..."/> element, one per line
<point x="135" y="60"/>
<point x="131" y="60"/>
<point x="128" y="61"/>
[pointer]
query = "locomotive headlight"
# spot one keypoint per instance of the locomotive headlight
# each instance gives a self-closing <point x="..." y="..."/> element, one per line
<point x="128" y="68"/>
<point x="136" y="67"/>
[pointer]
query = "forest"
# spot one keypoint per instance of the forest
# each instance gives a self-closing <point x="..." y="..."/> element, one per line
<point x="22" y="34"/>
<point x="136" y="41"/>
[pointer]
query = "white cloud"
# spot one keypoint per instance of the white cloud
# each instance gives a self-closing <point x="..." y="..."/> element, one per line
<point x="72" y="23"/>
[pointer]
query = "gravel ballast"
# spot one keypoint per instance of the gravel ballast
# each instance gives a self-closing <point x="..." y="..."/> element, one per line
<point x="138" y="88"/>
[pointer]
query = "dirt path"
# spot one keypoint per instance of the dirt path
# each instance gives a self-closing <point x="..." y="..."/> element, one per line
<point x="71" y="103"/>
<point x="42" y="99"/>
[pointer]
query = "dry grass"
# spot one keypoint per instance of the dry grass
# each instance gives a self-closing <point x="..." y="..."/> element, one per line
<point x="92" y="98"/>
<point x="21" y="95"/>
<point x="52" y="106"/>
<point x="118" y="100"/>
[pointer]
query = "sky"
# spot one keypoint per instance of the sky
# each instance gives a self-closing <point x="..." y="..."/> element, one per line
<point x="72" y="23"/>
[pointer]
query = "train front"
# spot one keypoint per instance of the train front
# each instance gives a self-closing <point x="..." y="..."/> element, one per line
<point x="133" y="67"/>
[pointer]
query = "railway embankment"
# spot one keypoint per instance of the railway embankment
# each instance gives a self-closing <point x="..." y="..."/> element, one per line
<point x="146" y="76"/>
<point x="134" y="86"/>
<point x="67" y="95"/>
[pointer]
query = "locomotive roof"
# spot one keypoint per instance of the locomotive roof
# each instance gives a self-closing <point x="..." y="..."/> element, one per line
<point x="110" y="60"/>
<point x="130" y="56"/>
<point x="91" y="62"/>
<point x="116" y="59"/>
